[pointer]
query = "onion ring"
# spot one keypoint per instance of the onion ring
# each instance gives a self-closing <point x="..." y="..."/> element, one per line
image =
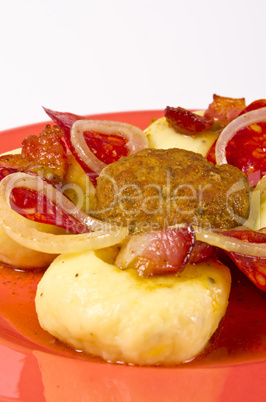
<point x="245" y="120"/>
<point x="137" y="140"/>
<point x="230" y="244"/>
<point x="16" y="226"/>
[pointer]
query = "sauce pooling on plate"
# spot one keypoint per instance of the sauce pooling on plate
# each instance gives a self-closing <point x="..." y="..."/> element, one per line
<point x="241" y="336"/>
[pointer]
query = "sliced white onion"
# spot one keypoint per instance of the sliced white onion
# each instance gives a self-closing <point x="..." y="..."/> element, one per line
<point x="245" y="120"/>
<point x="17" y="227"/>
<point x="136" y="139"/>
<point x="217" y="239"/>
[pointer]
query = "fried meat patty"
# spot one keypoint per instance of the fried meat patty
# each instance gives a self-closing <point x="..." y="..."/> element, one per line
<point x="156" y="188"/>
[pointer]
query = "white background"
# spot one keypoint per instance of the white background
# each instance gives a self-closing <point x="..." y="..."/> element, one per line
<point x="103" y="56"/>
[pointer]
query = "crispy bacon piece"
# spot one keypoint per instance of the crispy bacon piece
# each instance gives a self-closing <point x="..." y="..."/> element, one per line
<point x="44" y="155"/>
<point x="223" y="110"/>
<point x="158" y="252"/>
<point x="47" y="150"/>
<point x="186" y="122"/>
<point x="253" y="267"/>
<point x="107" y="148"/>
<point x="63" y="119"/>
<point x="12" y="164"/>
<point x="201" y="251"/>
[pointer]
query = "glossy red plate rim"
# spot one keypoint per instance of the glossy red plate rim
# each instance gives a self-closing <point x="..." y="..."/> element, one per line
<point x="29" y="373"/>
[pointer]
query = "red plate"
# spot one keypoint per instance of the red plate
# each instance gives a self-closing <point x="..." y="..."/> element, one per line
<point x="35" y="367"/>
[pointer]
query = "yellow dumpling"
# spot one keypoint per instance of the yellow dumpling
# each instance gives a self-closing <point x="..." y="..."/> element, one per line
<point x="161" y="135"/>
<point x="117" y="315"/>
<point x="257" y="215"/>
<point x="78" y="186"/>
<point x="16" y="255"/>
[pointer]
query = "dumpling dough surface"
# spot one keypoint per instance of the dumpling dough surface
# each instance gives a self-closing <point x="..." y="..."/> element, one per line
<point x="16" y="255"/>
<point x="95" y="307"/>
<point x="161" y="135"/>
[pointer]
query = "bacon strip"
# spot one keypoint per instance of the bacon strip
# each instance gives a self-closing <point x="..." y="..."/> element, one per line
<point x="224" y="109"/>
<point x="158" y="252"/>
<point x="48" y="150"/>
<point x="185" y="121"/>
<point x="45" y="156"/>
<point x="63" y="119"/>
<point x="201" y="251"/>
<point x="66" y="120"/>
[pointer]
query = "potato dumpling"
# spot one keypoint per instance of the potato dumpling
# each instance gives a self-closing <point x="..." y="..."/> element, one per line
<point x="117" y="315"/>
<point x="12" y="253"/>
<point x="261" y="220"/>
<point x="78" y="186"/>
<point x="161" y="135"/>
<point x="257" y="214"/>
